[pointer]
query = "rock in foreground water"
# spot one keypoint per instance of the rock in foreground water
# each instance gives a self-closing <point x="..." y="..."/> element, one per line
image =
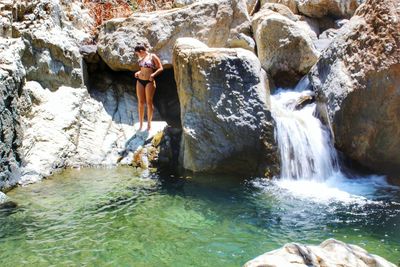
<point x="330" y="253"/>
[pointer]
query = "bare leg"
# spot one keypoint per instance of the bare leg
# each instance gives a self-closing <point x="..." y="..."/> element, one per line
<point x="141" y="101"/>
<point x="150" y="90"/>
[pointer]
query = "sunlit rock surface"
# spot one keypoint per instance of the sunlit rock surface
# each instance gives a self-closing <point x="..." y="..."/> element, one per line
<point x="291" y="4"/>
<point x="223" y="23"/>
<point x="139" y="150"/>
<point x="226" y="121"/>
<point x="329" y="253"/>
<point x="285" y="48"/>
<point x="321" y="8"/>
<point x="358" y="77"/>
<point x="69" y="128"/>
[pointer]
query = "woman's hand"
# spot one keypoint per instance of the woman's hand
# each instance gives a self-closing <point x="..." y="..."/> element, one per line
<point x="151" y="77"/>
<point x="137" y="74"/>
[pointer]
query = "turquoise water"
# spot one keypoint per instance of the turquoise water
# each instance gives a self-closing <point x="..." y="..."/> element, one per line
<point x="112" y="217"/>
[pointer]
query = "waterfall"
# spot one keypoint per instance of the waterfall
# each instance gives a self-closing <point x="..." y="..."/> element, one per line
<point x="305" y="146"/>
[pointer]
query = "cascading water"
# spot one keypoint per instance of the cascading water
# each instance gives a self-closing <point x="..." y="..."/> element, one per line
<point x="304" y="143"/>
<point x="309" y="162"/>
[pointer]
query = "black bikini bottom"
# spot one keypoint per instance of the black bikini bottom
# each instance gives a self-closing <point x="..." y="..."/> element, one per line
<point x="144" y="82"/>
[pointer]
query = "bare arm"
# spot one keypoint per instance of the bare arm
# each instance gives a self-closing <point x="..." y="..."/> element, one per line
<point x="159" y="66"/>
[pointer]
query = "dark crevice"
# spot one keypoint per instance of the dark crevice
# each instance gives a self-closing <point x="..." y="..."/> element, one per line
<point x="100" y="78"/>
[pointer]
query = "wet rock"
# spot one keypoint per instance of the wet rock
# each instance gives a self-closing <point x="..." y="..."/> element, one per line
<point x="226" y="121"/>
<point x="304" y="100"/>
<point x="216" y="23"/>
<point x="285" y="48"/>
<point x="331" y="252"/>
<point x="357" y="81"/>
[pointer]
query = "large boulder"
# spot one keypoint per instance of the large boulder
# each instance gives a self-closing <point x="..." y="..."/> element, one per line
<point x="227" y="125"/>
<point x="284" y="47"/>
<point x="331" y="252"/>
<point x="12" y="74"/>
<point x="322" y="8"/>
<point x="358" y="77"/>
<point x="223" y="23"/>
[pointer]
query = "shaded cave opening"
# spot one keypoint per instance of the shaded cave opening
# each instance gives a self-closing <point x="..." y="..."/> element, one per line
<point x="107" y="85"/>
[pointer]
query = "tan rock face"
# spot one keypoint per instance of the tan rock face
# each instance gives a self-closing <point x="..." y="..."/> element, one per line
<point x="216" y="23"/>
<point x="227" y="125"/>
<point x="291" y="4"/>
<point x="358" y="78"/>
<point x="285" y="49"/>
<point x="330" y="253"/>
<point x="321" y="8"/>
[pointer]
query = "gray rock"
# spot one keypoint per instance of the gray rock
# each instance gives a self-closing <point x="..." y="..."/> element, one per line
<point x="12" y="74"/>
<point x="216" y="23"/>
<point x="321" y="8"/>
<point x="284" y="47"/>
<point x="357" y="85"/>
<point x="89" y="53"/>
<point x="331" y="252"/>
<point x="227" y="125"/>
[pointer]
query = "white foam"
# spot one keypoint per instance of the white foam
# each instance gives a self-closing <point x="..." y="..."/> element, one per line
<point x="335" y="189"/>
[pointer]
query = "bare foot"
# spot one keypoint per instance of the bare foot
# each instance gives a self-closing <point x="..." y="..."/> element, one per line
<point x="148" y="127"/>
<point x="140" y="126"/>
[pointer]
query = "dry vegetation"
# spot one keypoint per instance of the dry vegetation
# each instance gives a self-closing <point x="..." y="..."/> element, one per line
<point x="103" y="10"/>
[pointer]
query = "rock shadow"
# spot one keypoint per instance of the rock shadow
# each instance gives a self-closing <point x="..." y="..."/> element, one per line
<point x="116" y="90"/>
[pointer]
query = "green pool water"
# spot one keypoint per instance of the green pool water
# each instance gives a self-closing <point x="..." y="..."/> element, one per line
<point x="112" y="217"/>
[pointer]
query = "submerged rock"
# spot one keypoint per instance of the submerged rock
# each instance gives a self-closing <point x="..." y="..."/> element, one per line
<point x="331" y="252"/>
<point x="226" y="121"/>
<point x="223" y="23"/>
<point x="358" y="77"/>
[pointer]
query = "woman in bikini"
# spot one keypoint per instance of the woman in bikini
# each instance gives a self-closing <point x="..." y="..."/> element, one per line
<point x="150" y="67"/>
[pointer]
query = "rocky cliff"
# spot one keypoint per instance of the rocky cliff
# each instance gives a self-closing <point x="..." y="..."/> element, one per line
<point x="358" y="77"/>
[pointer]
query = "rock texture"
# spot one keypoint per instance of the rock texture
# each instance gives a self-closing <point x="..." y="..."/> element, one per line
<point x="285" y="48"/>
<point x="321" y="8"/>
<point x="223" y="23"/>
<point x="52" y="120"/>
<point x="72" y="127"/>
<point x="291" y="4"/>
<point x="52" y="31"/>
<point x="227" y="125"/>
<point x="12" y="75"/>
<point x="329" y="253"/>
<point x="358" y="77"/>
